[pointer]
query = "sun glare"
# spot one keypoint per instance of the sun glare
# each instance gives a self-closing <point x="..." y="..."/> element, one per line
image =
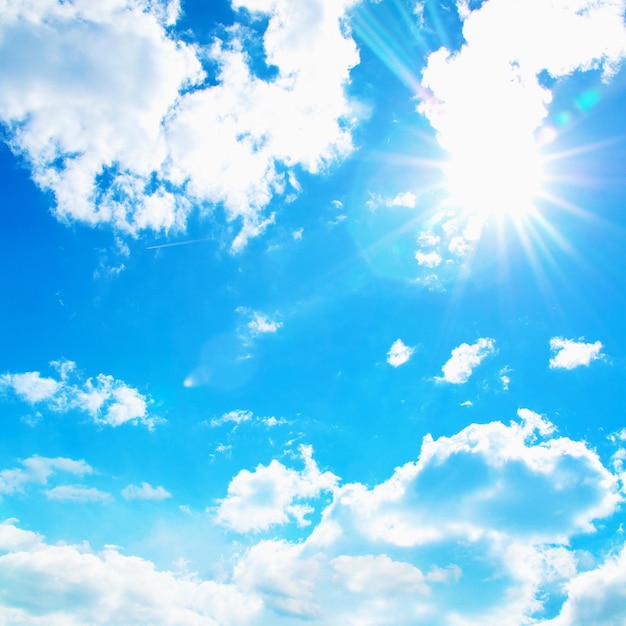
<point x="495" y="178"/>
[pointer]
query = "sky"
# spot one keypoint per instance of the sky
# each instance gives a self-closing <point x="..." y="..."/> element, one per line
<point x="312" y="312"/>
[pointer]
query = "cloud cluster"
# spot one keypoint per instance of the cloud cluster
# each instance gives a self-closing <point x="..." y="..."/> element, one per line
<point x="118" y="119"/>
<point x="106" y="400"/>
<point x="570" y="353"/>
<point x="495" y="502"/>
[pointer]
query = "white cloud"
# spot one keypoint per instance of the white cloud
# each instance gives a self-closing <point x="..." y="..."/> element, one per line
<point x="107" y="400"/>
<point x="571" y="353"/>
<point x="30" y="386"/>
<point x="92" y="96"/>
<point x="70" y="585"/>
<point x="496" y="503"/>
<point x="145" y="491"/>
<point x="399" y="353"/>
<point x="77" y="493"/>
<point x="261" y="324"/>
<point x="465" y="358"/>
<point x="273" y="494"/>
<point x="378" y="574"/>
<point x="485" y="101"/>
<point x="428" y="259"/>
<point x="597" y="596"/>
<point x="37" y="470"/>
<point x="405" y="199"/>
<point x="428" y="239"/>
<point x="236" y="417"/>
<point x="499" y="503"/>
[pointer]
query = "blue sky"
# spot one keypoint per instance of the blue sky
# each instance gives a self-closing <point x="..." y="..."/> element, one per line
<point x="313" y="312"/>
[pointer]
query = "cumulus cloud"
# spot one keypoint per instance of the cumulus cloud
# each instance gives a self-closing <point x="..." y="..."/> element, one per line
<point x="70" y="585"/>
<point x="273" y="494"/>
<point x="399" y="353"/>
<point x="149" y="140"/>
<point x="570" y="353"/>
<point x="106" y="400"/>
<point x="37" y="470"/>
<point x="496" y="502"/>
<point x="493" y="502"/>
<point x="145" y="491"/>
<point x="465" y="358"/>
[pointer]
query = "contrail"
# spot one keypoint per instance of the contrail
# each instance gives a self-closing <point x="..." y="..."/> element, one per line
<point x="177" y="243"/>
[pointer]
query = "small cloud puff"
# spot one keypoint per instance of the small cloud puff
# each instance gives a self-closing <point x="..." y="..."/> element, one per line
<point x="145" y="492"/>
<point x="570" y="353"/>
<point x="464" y="359"/>
<point x="399" y="353"/>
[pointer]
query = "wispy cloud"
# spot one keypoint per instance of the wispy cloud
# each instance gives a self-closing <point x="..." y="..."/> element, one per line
<point x="37" y="470"/>
<point x="78" y="493"/>
<point x="145" y="491"/>
<point x="570" y="353"/>
<point x="106" y="400"/>
<point x="465" y="358"/>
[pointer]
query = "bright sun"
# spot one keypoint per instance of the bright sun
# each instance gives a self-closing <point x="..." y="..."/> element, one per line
<point x="495" y="177"/>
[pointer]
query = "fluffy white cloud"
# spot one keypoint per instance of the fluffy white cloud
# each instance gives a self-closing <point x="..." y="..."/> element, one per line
<point x="107" y="400"/>
<point x="486" y="101"/>
<point x="273" y="494"/>
<point x="93" y="95"/>
<point x="500" y="503"/>
<point x="494" y="502"/>
<point x="145" y="491"/>
<point x="464" y="359"/>
<point x="399" y="353"/>
<point x="570" y="353"/>
<point x="597" y="596"/>
<point x="69" y="585"/>
<point x="77" y="493"/>
<point x="37" y="470"/>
